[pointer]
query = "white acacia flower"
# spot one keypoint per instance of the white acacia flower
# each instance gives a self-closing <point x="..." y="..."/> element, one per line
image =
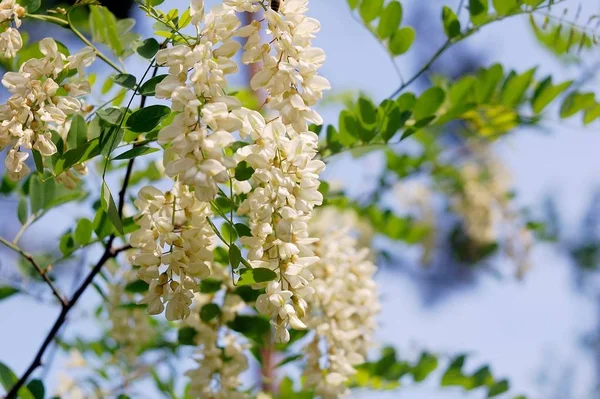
<point x="10" y="43"/>
<point x="343" y="309"/>
<point x="35" y="108"/>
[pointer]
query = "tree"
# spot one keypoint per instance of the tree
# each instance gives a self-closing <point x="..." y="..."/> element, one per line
<point x="249" y="254"/>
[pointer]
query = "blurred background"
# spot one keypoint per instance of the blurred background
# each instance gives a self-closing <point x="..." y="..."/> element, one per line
<point x="534" y="321"/>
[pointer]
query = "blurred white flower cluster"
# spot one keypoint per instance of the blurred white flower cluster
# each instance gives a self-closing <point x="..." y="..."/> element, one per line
<point x="220" y="354"/>
<point x="44" y="97"/>
<point x="10" y="38"/>
<point x="344" y="307"/>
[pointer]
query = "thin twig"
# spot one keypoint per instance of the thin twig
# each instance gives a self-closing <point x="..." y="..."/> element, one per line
<point x="68" y="25"/>
<point x="42" y="272"/>
<point x="450" y="42"/>
<point x="109" y="253"/>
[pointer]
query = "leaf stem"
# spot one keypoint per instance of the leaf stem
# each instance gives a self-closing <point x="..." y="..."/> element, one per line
<point x="42" y="272"/>
<point x="69" y="25"/>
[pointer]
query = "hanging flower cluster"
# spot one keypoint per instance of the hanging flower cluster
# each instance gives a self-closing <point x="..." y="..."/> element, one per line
<point x="130" y="327"/>
<point x="484" y="205"/>
<point x="10" y="38"/>
<point x="344" y="306"/>
<point x="282" y="152"/>
<point x="221" y="357"/>
<point x="205" y="123"/>
<point x="481" y="201"/>
<point x="43" y="98"/>
<point x="174" y="248"/>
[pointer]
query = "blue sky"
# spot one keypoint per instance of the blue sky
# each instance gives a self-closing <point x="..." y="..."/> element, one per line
<point x="520" y="328"/>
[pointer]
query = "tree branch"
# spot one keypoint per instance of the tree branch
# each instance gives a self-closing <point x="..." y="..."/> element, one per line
<point x="42" y="272"/>
<point x="109" y="253"/>
<point x="450" y="42"/>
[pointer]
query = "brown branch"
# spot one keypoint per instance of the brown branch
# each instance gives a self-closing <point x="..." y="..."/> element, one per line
<point x="109" y="253"/>
<point x="42" y="272"/>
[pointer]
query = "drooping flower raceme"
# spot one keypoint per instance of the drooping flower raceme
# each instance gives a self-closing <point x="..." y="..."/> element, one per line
<point x="43" y="100"/>
<point x="10" y="38"/>
<point x="282" y="152"/>
<point x="174" y="243"/>
<point x="220" y="356"/>
<point x="344" y="307"/>
<point x="130" y="327"/>
<point x="205" y="123"/>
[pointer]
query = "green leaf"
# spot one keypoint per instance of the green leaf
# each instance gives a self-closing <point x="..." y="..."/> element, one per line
<point x="498" y="388"/>
<point x="370" y="9"/>
<point x="7" y="186"/>
<point x="488" y="82"/>
<point x="367" y="112"/>
<point x="36" y="387"/>
<point x="235" y="256"/>
<point x="83" y="232"/>
<point x="353" y="4"/>
<point x="515" y="87"/>
<point x="187" y="336"/>
<point x="478" y="9"/>
<point x="80" y="154"/>
<point x="135" y="152"/>
<point x="546" y="92"/>
<point x="254" y="276"/>
<point x="427" y="363"/>
<point x="108" y="205"/>
<point x="39" y="162"/>
<point x="228" y="231"/>
<point x="103" y="25"/>
<point x="148" y="88"/>
<point x="210" y="286"/>
<point x="209" y="312"/>
<point x="41" y="193"/>
<point x="7" y="291"/>
<point x="22" y="211"/>
<point x="401" y="40"/>
<point x="242" y="230"/>
<point x="67" y="244"/>
<point x="253" y="327"/>
<point x="367" y="115"/>
<point x="110" y="138"/>
<point x="391" y="119"/>
<point x="145" y="119"/>
<point x="429" y="102"/>
<point x="505" y="7"/>
<point x="591" y="114"/>
<point x="348" y="126"/>
<point x="451" y="22"/>
<point x="149" y="48"/>
<point x="138" y="286"/>
<point x="126" y="80"/>
<point x="77" y="132"/>
<point x="390" y="20"/>
<point x="111" y="115"/>
<point x="576" y="102"/>
<point x="8" y="379"/>
<point x="102" y="226"/>
<point x="243" y="171"/>
<point x="247" y="293"/>
<point x="31" y="5"/>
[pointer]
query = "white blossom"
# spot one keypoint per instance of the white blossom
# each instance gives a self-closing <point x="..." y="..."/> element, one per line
<point x="37" y="107"/>
<point x="173" y="243"/>
<point x="344" y="307"/>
